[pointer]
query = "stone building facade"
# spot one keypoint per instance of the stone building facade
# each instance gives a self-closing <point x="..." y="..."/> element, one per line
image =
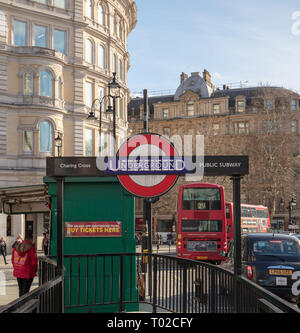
<point x="56" y="58"/>
<point x="262" y="122"/>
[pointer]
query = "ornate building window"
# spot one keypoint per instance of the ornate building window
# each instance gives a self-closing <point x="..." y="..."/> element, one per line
<point x="216" y="108"/>
<point x="114" y="63"/>
<point x="294" y="105"/>
<point x="46" y="84"/>
<point x="59" y="41"/>
<point x="88" y="94"/>
<point x="294" y="126"/>
<point x="101" y="56"/>
<point x="46" y="137"/>
<point x="190" y="109"/>
<point x="241" y="127"/>
<point x="89" y="147"/>
<point x="240" y="106"/>
<point x="88" y="9"/>
<point x="120" y="31"/>
<point x="100" y="14"/>
<point x="269" y="105"/>
<point x="216" y="129"/>
<point x="89" y="51"/>
<point x="121" y="108"/>
<point x="60" y="3"/>
<point x="20" y="30"/>
<point x="120" y="69"/>
<point x="27" y="83"/>
<point x="165" y="113"/>
<point x="59" y="88"/>
<point x="27" y="141"/>
<point x="40" y="36"/>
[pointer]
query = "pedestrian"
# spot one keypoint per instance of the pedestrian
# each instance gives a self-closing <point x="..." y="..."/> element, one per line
<point x="18" y="240"/>
<point x="169" y="238"/>
<point x="24" y="262"/>
<point x="3" y="249"/>
<point x="46" y="243"/>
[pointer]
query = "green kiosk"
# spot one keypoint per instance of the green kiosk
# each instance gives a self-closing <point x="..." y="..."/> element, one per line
<point x="97" y="220"/>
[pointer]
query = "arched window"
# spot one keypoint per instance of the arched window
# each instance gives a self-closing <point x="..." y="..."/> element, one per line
<point x="89" y="51"/>
<point x="59" y="88"/>
<point x="46" y="88"/>
<point x="120" y="30"/>
<point x="46" y="137"/>
<point x="120" y="69"/>
<point x="100" y="14"/>
<point x="115" y="63"/>
<point x="88" y="9"/>
<point x="27" y="83"/>
<point x="101" y="56"/>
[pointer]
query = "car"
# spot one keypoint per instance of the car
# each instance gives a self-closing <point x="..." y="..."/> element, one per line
<point x="270" y="260"/>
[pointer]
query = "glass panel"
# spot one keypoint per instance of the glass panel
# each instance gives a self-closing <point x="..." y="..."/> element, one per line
<point x="100" y="15"/>
<point x="201" y="199"/>
<point x="88" y="94"/>
<point x="60" y="41"/>
<point x="27" y="141"/>
<point x="274" y="247"/>
<point x="88" y="9"/>
<point x="120" y="69"/>
<point x="20" y="33"/>
<point x="201" y="226"/>
<point x="120" y="108"/>
<point x="45" y="84"/>
<point x="42" y="1"/>
<point x="40" y="36"/>
<point x="60" y="3"/>
<point x="59" y="88"/>
<point x="27" y="84"/>
<point x="89" y="51"/>
<point x="46" y="137"/>
<point x="115" y="63"/>
<point x="89" y="151"/>
<point x="101" y="56"/>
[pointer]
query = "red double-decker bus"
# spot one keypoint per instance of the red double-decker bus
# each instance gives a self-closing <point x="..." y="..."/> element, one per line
<point x="201" y="224"/>
<point x="254" y="218"/>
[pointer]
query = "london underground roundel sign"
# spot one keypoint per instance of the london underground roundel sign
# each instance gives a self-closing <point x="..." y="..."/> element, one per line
<point x="152" y="148"/>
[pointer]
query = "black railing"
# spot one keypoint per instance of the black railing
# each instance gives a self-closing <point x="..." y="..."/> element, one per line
<point x="120" y="282"/>
<point x="47" y="298"/>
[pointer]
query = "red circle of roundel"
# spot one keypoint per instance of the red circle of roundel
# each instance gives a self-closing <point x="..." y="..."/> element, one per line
<point x="147" y="191"/>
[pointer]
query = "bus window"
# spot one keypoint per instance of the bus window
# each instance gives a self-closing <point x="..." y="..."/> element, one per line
<point x="253" y="212"/>
<point x="266" y="215"/>
<point x="260" y="213"/>
<point x="201" y="199"/>
<point x="248" y="211"/>
<point x="244" y="211"/>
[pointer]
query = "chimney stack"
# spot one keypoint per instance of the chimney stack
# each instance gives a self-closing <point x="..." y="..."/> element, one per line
<point x="183" y="77"/>
<point x="206" y="76"/>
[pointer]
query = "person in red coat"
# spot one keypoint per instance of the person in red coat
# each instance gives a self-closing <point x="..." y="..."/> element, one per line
<point x="24" y="261"/>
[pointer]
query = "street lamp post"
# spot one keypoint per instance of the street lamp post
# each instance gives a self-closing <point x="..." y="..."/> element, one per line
<point x="114" y="93"/>
<point x="58" y="144"/>
<point x="292" y="203"/>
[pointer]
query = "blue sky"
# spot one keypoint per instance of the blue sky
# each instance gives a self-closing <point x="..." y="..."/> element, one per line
<point x="235" y="40"/>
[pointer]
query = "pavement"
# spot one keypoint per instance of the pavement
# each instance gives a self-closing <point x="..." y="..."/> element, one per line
<point x="9" y="290"/>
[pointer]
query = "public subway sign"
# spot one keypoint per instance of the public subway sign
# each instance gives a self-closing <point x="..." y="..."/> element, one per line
<point x="93" y="229"/>
<point x="110" y="166"/>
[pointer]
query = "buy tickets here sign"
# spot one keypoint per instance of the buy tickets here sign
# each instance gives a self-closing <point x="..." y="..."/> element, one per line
<point x="93" y="229"/>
